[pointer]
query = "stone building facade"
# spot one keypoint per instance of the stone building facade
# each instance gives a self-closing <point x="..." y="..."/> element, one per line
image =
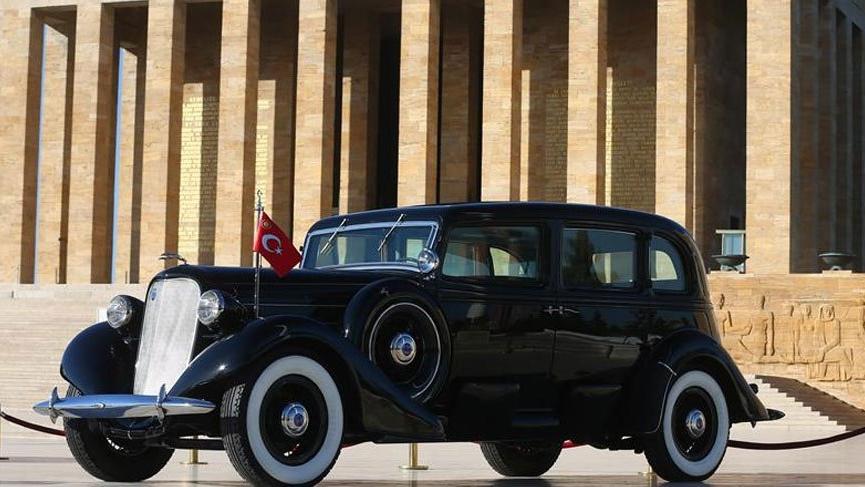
<point x="132" y="128"/>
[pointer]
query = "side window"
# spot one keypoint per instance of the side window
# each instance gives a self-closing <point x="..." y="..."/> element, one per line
<point x="593" y="258"/>
<point x="509" y="252"/>
<point x="666" y="266"/>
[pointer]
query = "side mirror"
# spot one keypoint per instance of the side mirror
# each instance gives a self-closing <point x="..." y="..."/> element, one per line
<point x="427" y="261"/>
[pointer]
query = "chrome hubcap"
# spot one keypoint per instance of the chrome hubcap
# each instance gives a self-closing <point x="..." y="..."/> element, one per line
<point x="695" y="423"/>
<point x="403" y="349"/>
<point x="294" y="419"/>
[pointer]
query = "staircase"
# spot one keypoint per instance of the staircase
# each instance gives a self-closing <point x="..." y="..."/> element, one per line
<point x="809" y="413"/>
<point x="36" y="324"/>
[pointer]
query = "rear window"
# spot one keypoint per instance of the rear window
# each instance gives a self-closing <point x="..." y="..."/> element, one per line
<point x="506" y="252"/>
<point x="666" y="266"/>
<point x="595" y="258"/>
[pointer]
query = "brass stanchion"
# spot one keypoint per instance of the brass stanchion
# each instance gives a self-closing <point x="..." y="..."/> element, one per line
<point x="413" y="463"/>
<point x="650" y="476"/>
<point x="2" y="458"/>
<point x="193" y="458"/>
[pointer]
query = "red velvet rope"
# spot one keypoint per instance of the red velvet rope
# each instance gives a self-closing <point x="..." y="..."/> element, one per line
<point x="31" y="426"/>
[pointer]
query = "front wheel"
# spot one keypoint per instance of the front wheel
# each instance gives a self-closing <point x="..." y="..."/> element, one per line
<point x="109" y="459"/>
<point x="285" y="427"/>
<point x="521" y="459"/>
<point x="692" y="439"/>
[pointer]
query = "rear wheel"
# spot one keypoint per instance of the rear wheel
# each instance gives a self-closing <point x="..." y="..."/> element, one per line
<point x="692" y="439"/>
<point x="285" y="427"/>
<point x="521" y="459"/>
<point x="110" y="459"/>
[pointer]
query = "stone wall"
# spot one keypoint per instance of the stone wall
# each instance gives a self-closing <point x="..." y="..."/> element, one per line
<point x="809" y="327"/>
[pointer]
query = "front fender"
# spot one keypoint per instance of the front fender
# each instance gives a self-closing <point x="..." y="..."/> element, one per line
<point x="679" y="352"/>
<point x="98" y="361"/>
<point x="384" y="410"/>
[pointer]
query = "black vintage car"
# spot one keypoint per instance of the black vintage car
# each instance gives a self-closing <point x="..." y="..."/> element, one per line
<point x="515" y="325"/>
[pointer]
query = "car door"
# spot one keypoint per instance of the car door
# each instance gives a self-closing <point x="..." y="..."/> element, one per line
<point x="496" y="294"/>
<point x="602" y="308"/>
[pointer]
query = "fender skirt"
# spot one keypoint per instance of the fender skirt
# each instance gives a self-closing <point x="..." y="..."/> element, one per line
<point x="97" y="361"/>
<point x="644" y="405"/>
<point x="385" y="412"/>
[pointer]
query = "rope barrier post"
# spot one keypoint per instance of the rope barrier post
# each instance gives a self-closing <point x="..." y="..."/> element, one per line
<point x="2" y="458"/>
<point x="193" y="458"/>
<point x="413" y="463"/>
<point x="650" y="476"/>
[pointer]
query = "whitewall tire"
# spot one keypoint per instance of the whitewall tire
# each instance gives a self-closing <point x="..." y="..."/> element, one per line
<point x="286" y="426"/>
<point x="692" y="438"/>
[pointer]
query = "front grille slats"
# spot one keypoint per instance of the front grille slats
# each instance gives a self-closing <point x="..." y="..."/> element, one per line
<point x="167" y="334"/>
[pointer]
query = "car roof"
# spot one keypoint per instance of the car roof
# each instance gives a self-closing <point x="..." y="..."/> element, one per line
<point x="521" y="210"/>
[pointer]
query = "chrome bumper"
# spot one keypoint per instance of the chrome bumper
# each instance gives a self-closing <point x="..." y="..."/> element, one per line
<point x="112" y="406"/>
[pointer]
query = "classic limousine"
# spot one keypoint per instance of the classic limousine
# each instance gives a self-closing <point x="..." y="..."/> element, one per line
<point x="515" y="325"/>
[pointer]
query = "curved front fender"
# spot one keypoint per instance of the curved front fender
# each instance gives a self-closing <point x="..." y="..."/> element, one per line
<point x="384" y="411"/>
<point x="677" y="353"/>
<point x="97" y="361"/>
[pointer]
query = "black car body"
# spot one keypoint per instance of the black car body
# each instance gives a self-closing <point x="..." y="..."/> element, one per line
<point x="539" y="323"/>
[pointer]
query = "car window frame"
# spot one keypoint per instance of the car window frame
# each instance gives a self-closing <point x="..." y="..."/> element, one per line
<point x="687" y="266"/>
<point x="544" y="257"/>
<point x="640" y="250"/>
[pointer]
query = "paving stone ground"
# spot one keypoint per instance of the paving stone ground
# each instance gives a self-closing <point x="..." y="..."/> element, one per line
<point x="37" y="462"/>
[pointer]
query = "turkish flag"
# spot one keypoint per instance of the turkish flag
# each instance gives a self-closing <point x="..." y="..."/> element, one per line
<point x="275" y="246"/>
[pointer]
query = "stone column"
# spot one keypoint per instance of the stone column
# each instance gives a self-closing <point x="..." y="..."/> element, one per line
<point x="316" y="92"/>
<point x="238" y="98"/>
<point x="21" y="52"/>
<point x="844" y="189"/>
<point x="768" y="137"/>
<point x="90" y="195"/>
<point x="359" y="70"/>
<point x="674" y="155"/>
<point x="458" y="137"/>
<point x="418" y="102"/>
<point x="166" y="32"/>
<point x="54" y="157"/>
<point x="587" y="90"/>
<point x="503" y="39"/>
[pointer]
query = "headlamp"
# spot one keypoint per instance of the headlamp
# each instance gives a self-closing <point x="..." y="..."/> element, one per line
<point x="122" y="310"/>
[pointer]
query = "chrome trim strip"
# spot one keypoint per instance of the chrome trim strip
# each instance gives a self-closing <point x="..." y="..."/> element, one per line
<point x="365" y="226"/>
<point x="668" y="368"/>
<point x="114" y="406"/>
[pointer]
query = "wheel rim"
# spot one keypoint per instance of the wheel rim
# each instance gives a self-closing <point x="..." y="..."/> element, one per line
<point x="293" y="420"/>
<point x="404" y="343"/>
<point x="695" y="424"/>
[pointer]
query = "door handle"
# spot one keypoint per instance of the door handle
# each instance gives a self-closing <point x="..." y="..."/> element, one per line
<point x="563" y="310"/>
<point x="551" y="310"/>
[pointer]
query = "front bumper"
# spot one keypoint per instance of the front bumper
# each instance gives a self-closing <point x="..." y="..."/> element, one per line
<point x="115" y="406"/>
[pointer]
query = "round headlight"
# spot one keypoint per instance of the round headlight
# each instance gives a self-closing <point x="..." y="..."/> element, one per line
<point x="211" y="304"/>
<point x="120" y="311"/>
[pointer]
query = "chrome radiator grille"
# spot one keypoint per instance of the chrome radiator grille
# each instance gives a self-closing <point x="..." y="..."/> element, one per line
<point x="167" y="334"/>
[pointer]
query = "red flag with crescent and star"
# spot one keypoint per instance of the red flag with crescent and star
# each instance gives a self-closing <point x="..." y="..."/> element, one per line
<point x="275" y="246"/>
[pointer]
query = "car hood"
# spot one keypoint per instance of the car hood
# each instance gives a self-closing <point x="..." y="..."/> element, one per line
<point x="318" y="294"/>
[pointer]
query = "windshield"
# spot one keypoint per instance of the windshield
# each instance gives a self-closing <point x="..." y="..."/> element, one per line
<point x="359" y="245"/>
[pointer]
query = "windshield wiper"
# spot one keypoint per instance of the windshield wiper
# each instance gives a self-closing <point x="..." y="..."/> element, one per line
<point x="326" y="246"/>
<point x="390" y="231"/>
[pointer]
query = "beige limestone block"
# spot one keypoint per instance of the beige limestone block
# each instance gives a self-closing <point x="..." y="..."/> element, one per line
<point x="238" y="98"/>
<point x="20" y="50"/>
<point x="90" y="185"/>
<point x="164" y="95"/>
<point x="316" y="77"/>
<point x="500" y="167"/>
<point x="674" y="151"/>
<point x="768" y="143"/>
<point x="587" y="87"/>
<point x="418" y="105"/>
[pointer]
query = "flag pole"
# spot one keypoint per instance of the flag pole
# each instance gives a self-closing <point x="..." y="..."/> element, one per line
<point x="259" y="208"/>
